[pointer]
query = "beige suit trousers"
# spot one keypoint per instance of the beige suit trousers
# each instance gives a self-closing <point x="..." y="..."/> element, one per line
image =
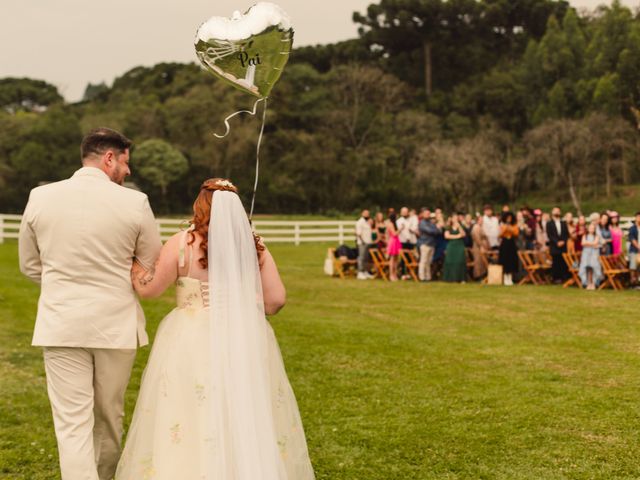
<point x="86" y="389"/>
<point x="426" y="258"/>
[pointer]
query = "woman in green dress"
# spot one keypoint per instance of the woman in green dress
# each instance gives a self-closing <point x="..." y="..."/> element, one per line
<point x="455" y="263"/>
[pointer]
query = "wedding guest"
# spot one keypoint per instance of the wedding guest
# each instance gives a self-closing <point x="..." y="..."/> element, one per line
<point x="558" y="234"/>
<point x="542" y="239"/>
<point x="364" y="240"/>
<point x="521" y="240"/>
<point x="479" y="249"/>
<point x="530" y="232"/>
<point x="414" y="221"/>
<point x="568" y="219"/>
<point x="634" y="249"/>
<point x="393" y="246"/>
<point x="616" y="234"/>
<point x="441" y="245"/>
<point x="508" y="253"/>
<point x="427" y="241"/>
<point x="455" y="264"/>
<point x="407" y="239"/>
<point x="604" y="232"/>
<point x="380" y="229"/>
<point x="404" y="229"/>
<point x="580" y="232"/>
<point x="590" y="270"/>
<point x="467" y="225"/>
<point x="491" y="227"/>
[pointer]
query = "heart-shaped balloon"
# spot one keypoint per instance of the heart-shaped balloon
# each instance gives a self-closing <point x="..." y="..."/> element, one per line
<point x="249" y="51"/>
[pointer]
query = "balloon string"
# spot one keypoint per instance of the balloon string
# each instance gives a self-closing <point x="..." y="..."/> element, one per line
<point x="255" y="184"/>
<point x="250" y="112"/>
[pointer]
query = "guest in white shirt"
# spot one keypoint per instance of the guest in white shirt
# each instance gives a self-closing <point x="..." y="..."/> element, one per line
<point x="414" y="231"/>
<point x="404" y="229"/>
<point x="491" y="227"/>
<point x="364" y="239"/>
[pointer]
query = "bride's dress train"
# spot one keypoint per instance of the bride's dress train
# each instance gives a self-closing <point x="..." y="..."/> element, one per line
<point x="172" y="433"/>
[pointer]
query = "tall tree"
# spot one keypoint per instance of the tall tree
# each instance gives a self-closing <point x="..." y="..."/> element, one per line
<point x="436" y="28"/>
<point x="562" y="145"/>
<point x="25" y="94"/>
<point x="159" y="164"/>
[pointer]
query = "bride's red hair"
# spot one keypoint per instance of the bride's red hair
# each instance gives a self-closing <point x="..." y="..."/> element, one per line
<point x="202" y="215"/>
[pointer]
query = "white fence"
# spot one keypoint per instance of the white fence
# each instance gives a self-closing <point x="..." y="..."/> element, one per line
<point x="295" y="232"/>
<point x="277" y="231"/>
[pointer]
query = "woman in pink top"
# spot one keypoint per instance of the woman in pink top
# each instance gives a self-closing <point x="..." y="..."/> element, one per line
<point x="393" y="246"/>
<point x="616" y="234"/>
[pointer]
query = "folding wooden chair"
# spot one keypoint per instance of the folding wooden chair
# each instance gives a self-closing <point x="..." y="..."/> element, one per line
<point x="410" y="262"/>
<point x="343" y="268"/>
<point x="533" y="267"/>
<point x="469" y="257"/>
<point x="620" y="261"/>
<point x="613" y="271"/>
<point x="572" y="259"/>
<point x="380" y="262"/>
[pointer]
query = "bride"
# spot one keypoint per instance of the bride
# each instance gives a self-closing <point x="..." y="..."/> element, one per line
<point x="215" y="402"/>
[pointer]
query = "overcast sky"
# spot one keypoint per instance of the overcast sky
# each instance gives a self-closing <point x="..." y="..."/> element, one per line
<point x="72" y="42"/>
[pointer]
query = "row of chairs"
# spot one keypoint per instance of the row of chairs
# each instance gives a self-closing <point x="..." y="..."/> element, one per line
<point x="345" y="267"/>
<point x="537" y="266"/>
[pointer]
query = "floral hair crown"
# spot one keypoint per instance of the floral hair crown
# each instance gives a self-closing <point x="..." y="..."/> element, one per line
<point x="225" y="184"/>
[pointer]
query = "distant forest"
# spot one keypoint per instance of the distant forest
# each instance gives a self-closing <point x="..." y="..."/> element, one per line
<point x="450" y="103"/>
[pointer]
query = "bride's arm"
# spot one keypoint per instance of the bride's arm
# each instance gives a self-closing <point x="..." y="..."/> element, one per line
<point x="273" y="291"/>
<point x="153" y="284"/>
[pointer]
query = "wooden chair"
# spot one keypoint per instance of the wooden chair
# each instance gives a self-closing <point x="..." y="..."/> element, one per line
<point x="410" y="263"/>
<point x="343" y="267"/>
<point x="620" y="261"/>
<point x="380" y="263"/>
<point x="469" y="257"/>
<point x="572" y="259"/>
<point x="615" y="274"/>
<point x="535" y="269"/>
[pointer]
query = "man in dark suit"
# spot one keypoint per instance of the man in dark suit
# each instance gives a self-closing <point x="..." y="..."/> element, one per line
<point x="558" y="234"/>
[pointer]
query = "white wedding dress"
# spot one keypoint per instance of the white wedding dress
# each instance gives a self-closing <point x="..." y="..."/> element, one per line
<point x="177" y="426"/>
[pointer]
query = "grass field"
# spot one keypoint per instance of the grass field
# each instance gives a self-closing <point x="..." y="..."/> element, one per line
<point x="403" y="381"/>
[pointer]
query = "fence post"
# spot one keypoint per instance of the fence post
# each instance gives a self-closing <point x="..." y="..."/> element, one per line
<point x="341" y="233"/>
<point x="1" y="228"/>
<point x="296" y="234"/>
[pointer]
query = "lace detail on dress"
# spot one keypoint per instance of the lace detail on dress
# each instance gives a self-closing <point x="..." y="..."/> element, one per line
<point x="192" y="293"/>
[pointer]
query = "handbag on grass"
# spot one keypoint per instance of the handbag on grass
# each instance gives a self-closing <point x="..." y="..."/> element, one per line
<point x="494" y="275"/>
<point x="328" y="265"/>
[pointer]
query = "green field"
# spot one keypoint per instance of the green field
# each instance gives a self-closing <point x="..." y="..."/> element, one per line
<point x="404" y="381"/>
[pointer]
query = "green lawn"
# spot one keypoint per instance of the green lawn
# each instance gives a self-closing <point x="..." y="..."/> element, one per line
<point x="404" y="381"/>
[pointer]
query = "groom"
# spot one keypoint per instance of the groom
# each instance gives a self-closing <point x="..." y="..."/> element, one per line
<point x="78" y="239"/>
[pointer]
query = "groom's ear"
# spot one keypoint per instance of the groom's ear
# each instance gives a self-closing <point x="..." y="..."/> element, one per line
<point x="109" y="157"/>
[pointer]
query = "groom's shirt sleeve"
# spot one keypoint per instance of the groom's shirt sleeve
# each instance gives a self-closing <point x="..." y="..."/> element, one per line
<point x="149" y="243"/>
<point x="28" y="251"/>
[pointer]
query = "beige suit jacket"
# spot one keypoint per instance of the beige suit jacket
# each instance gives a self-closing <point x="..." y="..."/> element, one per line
<point x="78" y="238"/>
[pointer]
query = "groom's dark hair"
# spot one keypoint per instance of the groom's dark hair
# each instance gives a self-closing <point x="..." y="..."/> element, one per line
<point x="102" y="139"/>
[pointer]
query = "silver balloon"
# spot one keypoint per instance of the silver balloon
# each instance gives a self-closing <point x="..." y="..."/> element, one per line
<point x="251" y="62"/>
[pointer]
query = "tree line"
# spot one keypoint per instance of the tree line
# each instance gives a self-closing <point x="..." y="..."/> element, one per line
<point x="450" y="103"/>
